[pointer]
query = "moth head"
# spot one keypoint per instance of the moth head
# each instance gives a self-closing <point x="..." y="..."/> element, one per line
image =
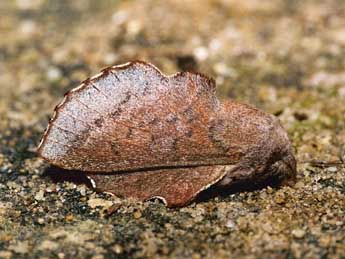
<point x="270" y="162"/>
<point x="283" y="169"/>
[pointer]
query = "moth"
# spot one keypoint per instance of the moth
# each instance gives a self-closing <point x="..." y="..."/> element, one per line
<point x="138" y="133"/>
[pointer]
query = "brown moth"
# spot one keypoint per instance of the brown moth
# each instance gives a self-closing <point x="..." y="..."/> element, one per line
<point x="138" y="133"/>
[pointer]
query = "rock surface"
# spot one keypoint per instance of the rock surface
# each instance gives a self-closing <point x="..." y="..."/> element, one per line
<point x="286" y="57"/>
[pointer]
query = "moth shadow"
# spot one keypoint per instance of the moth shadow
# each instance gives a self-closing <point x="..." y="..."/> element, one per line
<point x="244" y="186"/>
<point x="58" y="175"/>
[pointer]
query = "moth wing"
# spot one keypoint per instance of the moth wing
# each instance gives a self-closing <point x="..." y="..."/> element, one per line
<point x="176" y="187"/>
<point x="133" y="117"/>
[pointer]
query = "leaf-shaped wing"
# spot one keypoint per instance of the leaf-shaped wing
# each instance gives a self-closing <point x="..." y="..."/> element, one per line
<point x="133" y="117"/>
<point x="130" y="117"/>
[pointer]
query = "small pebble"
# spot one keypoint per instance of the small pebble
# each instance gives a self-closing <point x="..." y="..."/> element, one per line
<point x="298" y="233"/>
<point x="201" y="53"/>
<point x="96" y="202"/>
<point x="299" y="185"/>
<point x="230" y="224"/>
<point x="54" y="74"/>
<point x="118" y="249"/>
<point x="40" y="221"/>
<point x="48" y="245"/>
<point x="28" y="28"/>
<point x="82" y="190"/>
<point x="269" y="190"/>
<point x="69" y="217"/>
<point x="39" y="195"/>
<point x="51" y="189"/>
<point x="137" y="214"/>
<point x="332" y="169"/>
<point x="279" y="198"/>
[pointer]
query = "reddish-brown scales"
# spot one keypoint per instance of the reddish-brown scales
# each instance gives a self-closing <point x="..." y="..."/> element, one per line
<point x="137" y="133"/>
